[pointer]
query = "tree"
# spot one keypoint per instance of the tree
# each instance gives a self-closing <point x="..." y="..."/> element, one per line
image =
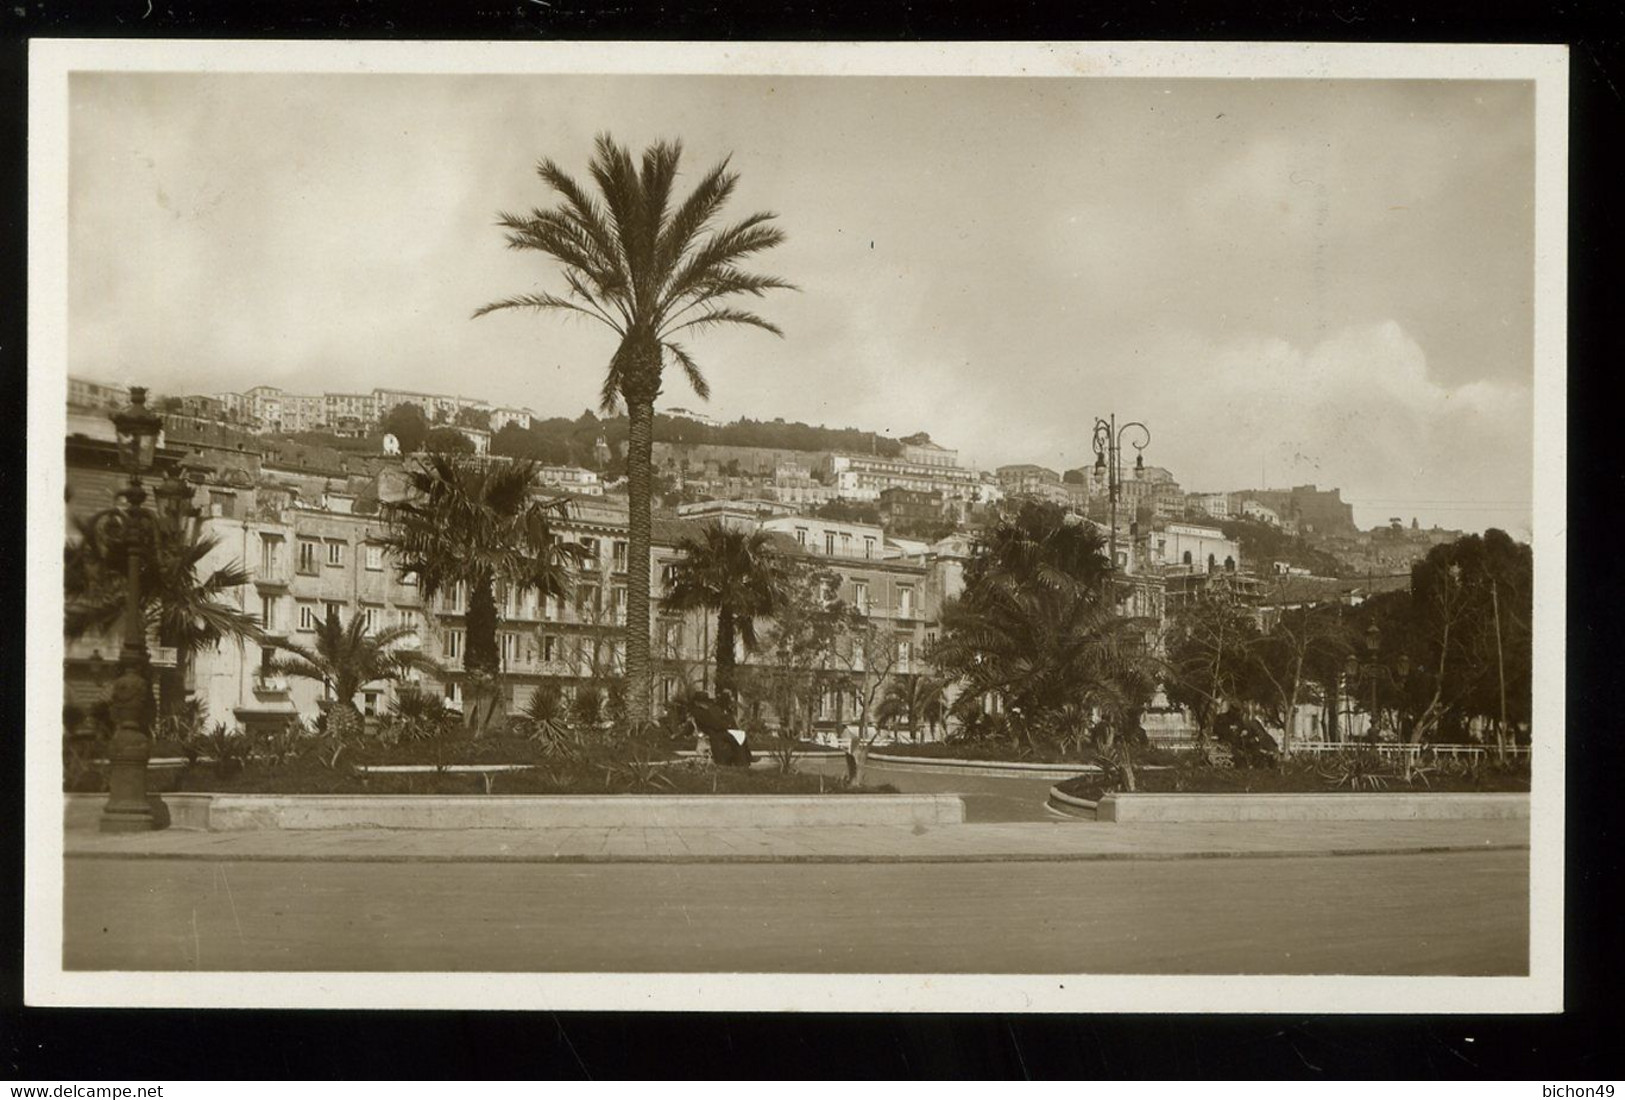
<point x="914" y="699"/>
<point x="472" y="522"/>
<point x="1034" y="635"/>
<point x="469" y="417"/>
<point x="1302" y="647"/>
<point x="649" y="271"/>
<point x="1210" y="657"/>
<point x="801" y="646"/>
<point x="737" y="574"/>
<point x="185" y="608"/>
<point x="345" y="659"/>
<point x="448" y="441"/>
<point x="407" y="424"/>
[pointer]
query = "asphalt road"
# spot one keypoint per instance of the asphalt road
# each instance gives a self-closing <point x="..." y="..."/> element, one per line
<point x="987" y="798"/>
<point x="1451" y="913"/>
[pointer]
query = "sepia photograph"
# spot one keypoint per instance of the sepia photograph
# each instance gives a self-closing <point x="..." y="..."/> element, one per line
<point x="964" y="527"/>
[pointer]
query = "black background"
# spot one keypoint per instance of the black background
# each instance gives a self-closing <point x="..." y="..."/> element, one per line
<point x="1580" y="1046"/>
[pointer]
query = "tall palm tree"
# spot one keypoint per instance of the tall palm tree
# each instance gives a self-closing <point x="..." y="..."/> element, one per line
<point x="186" y="608"/>
<point x="478" y="523"/>
<point x="648" y="269"/>
<point x="344" y="659"/>
<point x="739" y="575"/>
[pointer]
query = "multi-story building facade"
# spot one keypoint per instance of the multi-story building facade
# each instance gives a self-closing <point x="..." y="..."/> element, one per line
<point x="84" y="393"/>
<point x="910" y="507"/>
<point x="572" y="479"/>
<point x="503" y="415"/>
<point x="1025" y="479"/>
<point x="862" y="477"/>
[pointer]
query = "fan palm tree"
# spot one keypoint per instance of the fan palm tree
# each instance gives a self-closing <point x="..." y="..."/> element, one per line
<point x="478" y="523"/>
<point x="739" y="575"/>
<point x="649" y="269"/>
<point x="344" y="659"/>
<point x="184" y="606"/>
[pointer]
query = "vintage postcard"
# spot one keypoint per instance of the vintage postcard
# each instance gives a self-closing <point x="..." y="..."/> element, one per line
<point x="1057" y="527"/>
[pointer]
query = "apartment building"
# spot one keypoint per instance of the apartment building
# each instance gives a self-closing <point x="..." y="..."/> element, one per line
<point x="862" y="477"/>
<point x="83" y="393"/>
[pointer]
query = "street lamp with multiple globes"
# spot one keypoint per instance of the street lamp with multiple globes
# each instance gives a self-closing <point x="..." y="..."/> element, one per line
<point x="1374" y="671"/>
<point x="1108" y="444"/>
<point x="133" y="531"/>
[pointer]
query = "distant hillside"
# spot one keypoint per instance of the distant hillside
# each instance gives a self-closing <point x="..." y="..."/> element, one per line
<point x="1261" y="544"/>
<point x="776" y="434"/>
<point x="575" y="442"/>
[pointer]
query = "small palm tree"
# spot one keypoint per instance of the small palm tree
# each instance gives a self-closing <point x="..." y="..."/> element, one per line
<point x="648" y="269"/>
<point x="913" y="700"/>
<point x="473" y="522"/>
<point x="344" y="659"/>
<point x="187" y="608"/>
<point x="737" y="574"/>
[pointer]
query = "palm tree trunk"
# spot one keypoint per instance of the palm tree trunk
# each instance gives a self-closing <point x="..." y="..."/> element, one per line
<point x="344" y="721"/>
<point x="725" y="650"/>
<point x="639" y="463"/>
<point x="484" y="711"/>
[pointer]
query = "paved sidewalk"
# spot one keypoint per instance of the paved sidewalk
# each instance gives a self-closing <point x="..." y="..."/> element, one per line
<point x="969" y="843"/>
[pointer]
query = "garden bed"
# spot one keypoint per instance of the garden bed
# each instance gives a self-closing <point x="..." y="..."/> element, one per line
<point x="599" y="776"/>
<point x="1322" y="776"/>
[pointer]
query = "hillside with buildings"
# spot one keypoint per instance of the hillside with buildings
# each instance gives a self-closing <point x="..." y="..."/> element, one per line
<point x="912" y="487"/>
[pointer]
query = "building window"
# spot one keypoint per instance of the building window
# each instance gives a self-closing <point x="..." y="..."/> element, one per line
<point x="860" y="595"/>
<point x="846" y="543"/>
<point x="334" y="609"/>
<point x="268" y="614"/>
<point x="335" y="552"/>
<point x="668" y="688"/>
<point x="829" y="542"/>
<point x="905" y="600"/>
<point x="307" y="617"/>
<point x="510" y="648"/>
<point x="619" y="549"/>
<point x="454" y="645"/>
<point x="408" y="580"/>
<point x="589" y="548"/>
<point x="307" y="555"/>
<point x="618" y="603"/>
<point x="801" y="536"/>
<point x="369" y="704"/>
<point x="1187" y="557"/>
<point x="369" y="619"/>
<point x="375" y="556"/>
<point x="550" y="647"/>
<point x="223" y="504"/>
<point x="587" y="600"/>
<point x="868" y="546"/>
<point x="905" y="654"/>
<point x="451" y="599"/>
<point x="270" y="555"/>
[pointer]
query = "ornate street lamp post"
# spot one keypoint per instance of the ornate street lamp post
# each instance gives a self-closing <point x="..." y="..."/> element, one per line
<point x="1108" y="444"/>
<point x="132" y="529"/>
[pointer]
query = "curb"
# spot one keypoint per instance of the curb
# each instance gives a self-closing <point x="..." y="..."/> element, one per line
<point x="759" y="858"/>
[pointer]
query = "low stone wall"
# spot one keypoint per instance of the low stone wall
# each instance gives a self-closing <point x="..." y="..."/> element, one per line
<point x="229" y="813"/>
<point x="1062" y="803"/>
<point x="1000" y="769"/>
<point x="1311" y="807"/>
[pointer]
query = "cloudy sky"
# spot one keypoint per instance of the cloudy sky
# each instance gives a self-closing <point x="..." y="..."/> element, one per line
<point x="1289" y="281"/>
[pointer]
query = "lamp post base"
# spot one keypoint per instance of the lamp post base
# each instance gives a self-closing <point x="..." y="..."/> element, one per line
<point x="128" y="819"/>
